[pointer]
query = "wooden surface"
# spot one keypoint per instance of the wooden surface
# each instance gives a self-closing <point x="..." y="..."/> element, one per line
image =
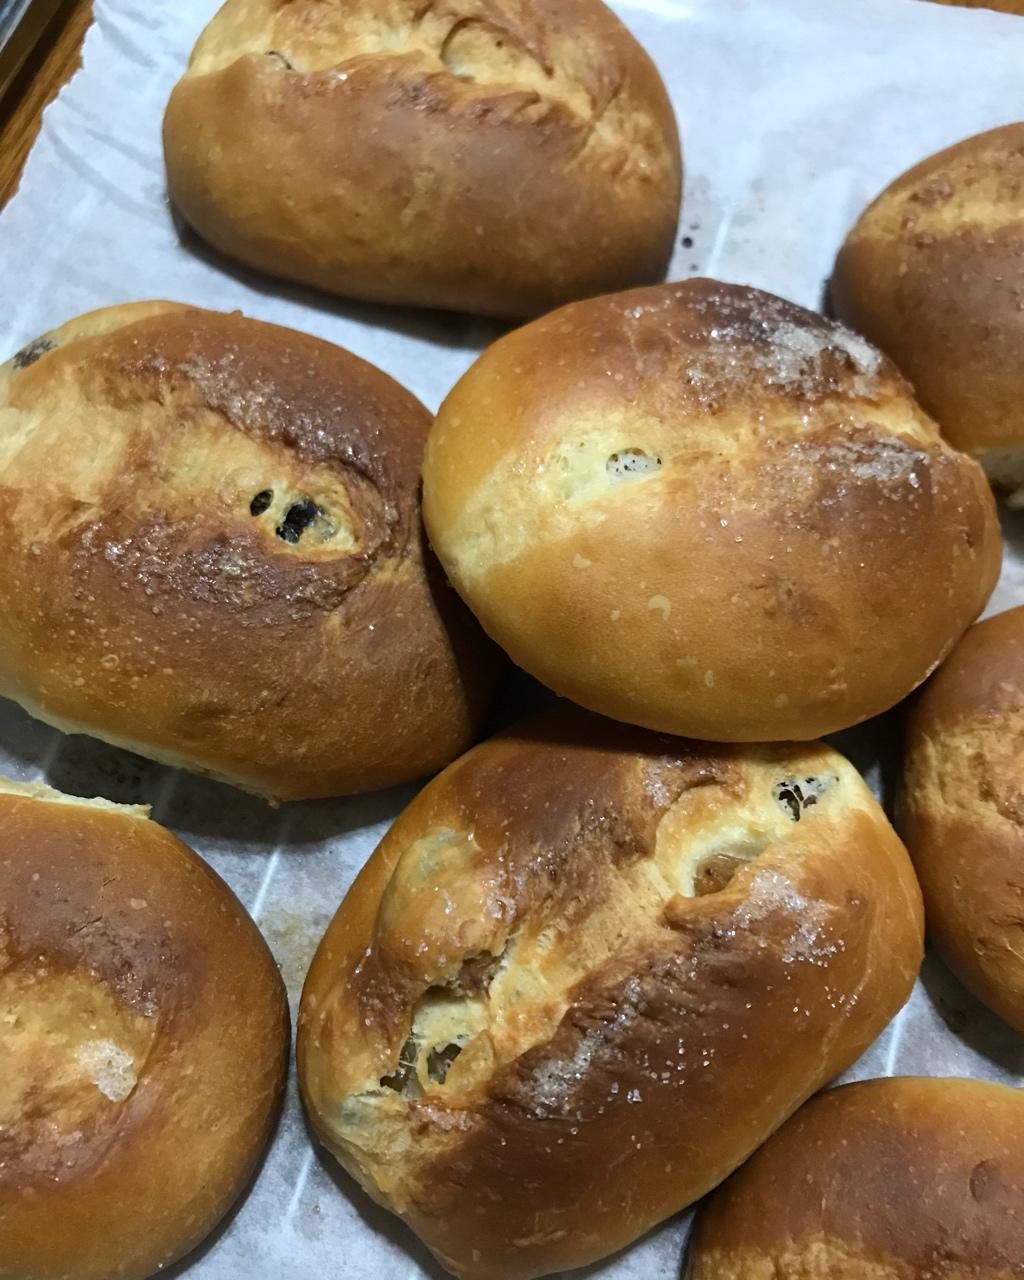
<point x="49" y="66"/>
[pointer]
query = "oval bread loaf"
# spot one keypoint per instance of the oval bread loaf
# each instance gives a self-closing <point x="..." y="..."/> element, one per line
<point x="933" y="272"/>
<point x="897" y="1179"/>
<point x="962" y="810"/>
<point x="496" y="156"/>
<point x="587" y="971"/>
<point x="703" y="509"/>
<point x="213" y="555"/>
<point x="143" y="1041"/>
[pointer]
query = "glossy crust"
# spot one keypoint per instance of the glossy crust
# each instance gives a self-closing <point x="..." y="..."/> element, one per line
<point x="213" y="555"/>
<point x="933" y="272"/>
<point x="706" y="510"/>
<point x="600" y="949"/>
<point x="497" y="156"/>
<point x="145" y="1041"/>
<point x="901" y="1179"/>
<point x="962" y="810"/>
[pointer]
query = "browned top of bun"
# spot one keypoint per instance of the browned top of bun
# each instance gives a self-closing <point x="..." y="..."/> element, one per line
<point x="586" y="947"/>
<point x="498" y="156"/>
<point x="896" y="1179"/>
<point x="144" y="1040"/>
<point x="213" y="554"/>
<point x="702" y="508"/>
<point x="933" y="272"/>
<point x="962" y="809"/>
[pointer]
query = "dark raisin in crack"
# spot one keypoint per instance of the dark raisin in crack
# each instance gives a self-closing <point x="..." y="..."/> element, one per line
<point x="30" y="354"/>
<point x="260" y="503"/>
<point x="404" y="1080"/>
<point x="297" y="519"/>
<point x="440" y="1060"/>
<point x="795" y="794"/>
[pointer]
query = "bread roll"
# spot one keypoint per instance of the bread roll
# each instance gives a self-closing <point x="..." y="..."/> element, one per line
<point x="143" y="1040"/>
<point x="962" y="810"/>
<point x="587" y="971"/>
<point x="705" y="510"/>
<point x="902" y="1179"/>
<point x="213" y="555"/>
<point x="496" y="156"/>
<point x="933" y="272"/>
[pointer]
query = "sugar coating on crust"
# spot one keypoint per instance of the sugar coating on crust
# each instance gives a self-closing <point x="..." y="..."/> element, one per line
<point x="110" y="1068"/>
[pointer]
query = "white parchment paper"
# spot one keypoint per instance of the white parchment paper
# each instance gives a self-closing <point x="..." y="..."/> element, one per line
<point x="794" y="113"/>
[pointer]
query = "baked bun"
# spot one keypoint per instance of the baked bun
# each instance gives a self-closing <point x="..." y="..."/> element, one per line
<point x="496" y="156"/>
<point x="933" y="272"/>
<point x="588" y="948"/>
<point x="962" y="810"/>
<point x="144" y="1041"/>
<point x="705" y="510"/>
<point x="213" y="555"/>
<point x="899" y="1179"/>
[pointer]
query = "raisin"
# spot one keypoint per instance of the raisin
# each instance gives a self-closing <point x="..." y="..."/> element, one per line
<point x="440" y="1060"/>
<point x="404" y="1080"/>
<point x="30" y="354"/>
<point x="297" y="519"/>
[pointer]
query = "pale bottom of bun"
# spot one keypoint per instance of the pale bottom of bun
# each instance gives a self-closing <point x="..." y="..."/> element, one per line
<point x="41" y="791"/>
<point x="157" y="754"/>
<point x="1005" y="471"/>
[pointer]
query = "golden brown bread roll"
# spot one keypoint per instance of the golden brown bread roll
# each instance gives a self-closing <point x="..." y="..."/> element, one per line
<point x="933" y="272"/>
<point x="586" y="947"/>
<point x="901" y="1179"/>
<point x="962" y="810"/>
<point x="213" y="555"/>
<point x="708" y="511"/>
<point x="497" y="156"/>
<point x="143" y="1041"/>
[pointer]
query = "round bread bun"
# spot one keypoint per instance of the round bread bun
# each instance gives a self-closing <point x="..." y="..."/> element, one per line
<point x="587" y="971"/>
<point x="499" y="157"/>
<point x="962" y="810"/>
<point x="144" y="1041"/>
<point x="213" y="555"/>
<point x="901" y="1179"/>
<point x="933" y="272"/>
<point x="705" y="510"/>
